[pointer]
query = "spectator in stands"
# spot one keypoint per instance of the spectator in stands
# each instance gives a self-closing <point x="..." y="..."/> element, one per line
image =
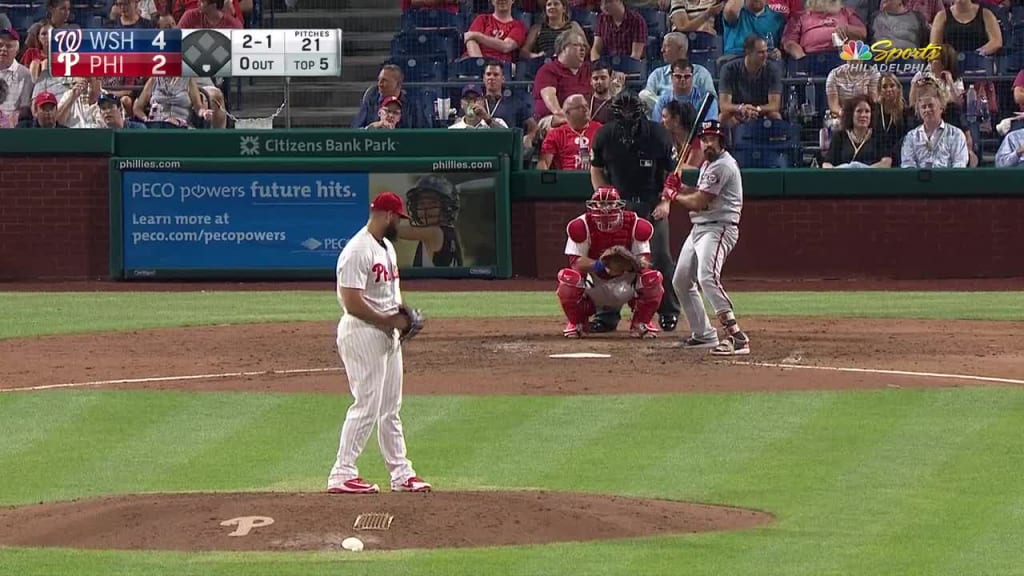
<point x="847" y="81"/>
<point x="129" y="16"/>
<point x="44" y="106"/>
<point x="389" y="84"/>
<point x="77" y="107"/>
<point x="57" y="14"/>
<point x="619" y="32"/>
<point x="968" y="27"/>
<point x="496" y="36"/>
<point x="695" y="15"/>
<point x="935" y="143"/>
<point x="890" y="114"/>
<point x="511" y="106"/>
<point x="1018" y="90"/>
<point x="7" y="119"/>
<point x="170" y="101"/>
<point x="812" y="32"/>
<point x="953" y="112"/>
<point x="149" y="9"/>
<point x="864" y="9"/>
<point x="112" y="113"/>
<point x="557" y="80"/>
<point x="603" y="90"/>
<point x="474" y="112"/>
<point x="389" y="115"/>
<point x="674" y="46"/>
<point x="236" y="9"/>
<point x="944" y="70"/>
<point x="678" y="119"/>
<point x="209" y="14"/>
<point x="745" y="17"/>
<point x="928" y="9"/>
<point x="449" y="5"/>
<point x="36" y="49"/>
<point x="857" y="146"/>
<point x="897" y="23"/>
<point x="540" y="40"/>
<point x="684" y="91"/>
<point x="567" y="147"/>
<point x="18" y="96"/>
<point x="750" y="87"/>
<point x="1011" y="150"/>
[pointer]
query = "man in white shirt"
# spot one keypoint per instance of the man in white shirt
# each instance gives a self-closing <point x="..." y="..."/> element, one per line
<point x="16" y="77"/>
<point x="935" y="143"/>
<point x="1011" y="150"/>
<point x="370" y="347"/>
<point x="474" y="112"/>
<point x="674" y="46"/>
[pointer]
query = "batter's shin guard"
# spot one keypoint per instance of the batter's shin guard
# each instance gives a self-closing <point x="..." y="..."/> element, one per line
<point x="649" y="292"/>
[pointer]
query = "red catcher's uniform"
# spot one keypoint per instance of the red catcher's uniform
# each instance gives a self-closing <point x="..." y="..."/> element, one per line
<point x="580" y="296"/>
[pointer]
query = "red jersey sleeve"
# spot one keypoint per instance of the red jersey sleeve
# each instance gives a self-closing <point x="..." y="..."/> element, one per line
<point x="518" y="33"/>
<point x="551" y="145"/>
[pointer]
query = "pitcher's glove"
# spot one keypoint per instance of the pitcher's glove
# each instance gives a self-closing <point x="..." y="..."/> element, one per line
<point x="415" y="318"/>
<point x="617" y="260"/>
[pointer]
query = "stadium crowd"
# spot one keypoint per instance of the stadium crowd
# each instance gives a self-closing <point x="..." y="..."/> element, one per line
<point x="551" y="68"/>
<point x="775" y="67"/>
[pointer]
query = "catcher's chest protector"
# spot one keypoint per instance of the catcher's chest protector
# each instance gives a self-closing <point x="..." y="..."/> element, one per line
<point x="601" y="241"/>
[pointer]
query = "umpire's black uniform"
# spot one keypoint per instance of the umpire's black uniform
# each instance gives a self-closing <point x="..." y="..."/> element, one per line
<point x="637" y="166"/>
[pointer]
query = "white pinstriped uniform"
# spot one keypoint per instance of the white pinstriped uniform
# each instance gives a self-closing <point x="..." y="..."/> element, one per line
<point x="372" y="359"/>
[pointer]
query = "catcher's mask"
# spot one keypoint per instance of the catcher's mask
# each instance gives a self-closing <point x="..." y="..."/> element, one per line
<point x="629" y="112"/>
<point x="432" y="201"/>
<point x="605" y="208"/>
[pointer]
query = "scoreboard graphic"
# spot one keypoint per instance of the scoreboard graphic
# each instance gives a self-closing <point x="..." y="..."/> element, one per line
<point x="206" y="53"/>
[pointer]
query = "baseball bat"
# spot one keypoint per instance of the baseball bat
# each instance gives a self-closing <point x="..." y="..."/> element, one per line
<point x="705" y="105"/>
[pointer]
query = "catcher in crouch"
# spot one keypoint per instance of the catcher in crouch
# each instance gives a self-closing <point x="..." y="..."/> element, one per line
<point x="609" y="251"/>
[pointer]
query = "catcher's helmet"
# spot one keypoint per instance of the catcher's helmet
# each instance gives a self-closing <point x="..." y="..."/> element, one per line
<point x="605" y="208"/>
<point x="446" y="193"/>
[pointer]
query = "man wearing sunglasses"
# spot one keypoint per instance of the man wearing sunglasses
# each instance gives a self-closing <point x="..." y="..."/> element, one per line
<point x="683" y="91"/>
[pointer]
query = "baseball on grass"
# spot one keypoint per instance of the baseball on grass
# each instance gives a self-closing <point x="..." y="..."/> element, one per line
<point x="353" y="544"/>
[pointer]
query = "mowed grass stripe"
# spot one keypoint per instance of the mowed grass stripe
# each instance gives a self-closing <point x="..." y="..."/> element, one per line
<point x="33" y="314"/>
<point x="974" y="512"/>
<point x="26" y="420"/>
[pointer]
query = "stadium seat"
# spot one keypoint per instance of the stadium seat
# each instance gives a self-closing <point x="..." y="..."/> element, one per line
<point x="816" y="64"/>
<point x="705" y="49"/>
<point x="424" y="68"/>
<point x="526" y="70"/>
<point x="976" y="64"/>
<point x="766" y="144"/>
<point x="419" y="42"/>
<point x="418" y="19"/>
<point x="630" y="66"/>
<point x="473" y="68"/>
<point x="584" y="18"/>
<point x="657" y="21"/>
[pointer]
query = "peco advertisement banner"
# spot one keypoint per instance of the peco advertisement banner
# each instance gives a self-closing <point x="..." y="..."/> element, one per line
<point x="184" y="219"/>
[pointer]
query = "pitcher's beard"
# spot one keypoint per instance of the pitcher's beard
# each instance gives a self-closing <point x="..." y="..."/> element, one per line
<point x="391" y="233"/>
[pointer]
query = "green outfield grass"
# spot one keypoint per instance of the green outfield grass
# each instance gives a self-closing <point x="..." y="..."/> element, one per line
<point x="896" y="481"/>
<point x="33" y="314"/>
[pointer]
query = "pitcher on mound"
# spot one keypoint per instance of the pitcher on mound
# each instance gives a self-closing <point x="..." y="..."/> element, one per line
<point x="609" y="265"/>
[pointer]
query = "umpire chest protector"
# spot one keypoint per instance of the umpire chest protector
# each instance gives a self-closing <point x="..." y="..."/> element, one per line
<point x="636" y="168"/>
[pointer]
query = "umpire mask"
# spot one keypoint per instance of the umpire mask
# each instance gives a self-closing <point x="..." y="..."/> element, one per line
<point x="629" y="112"/>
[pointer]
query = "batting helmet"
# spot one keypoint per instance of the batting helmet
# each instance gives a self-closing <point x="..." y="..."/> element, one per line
<point x="446" y="193"/>
<point x="605" y="208"/>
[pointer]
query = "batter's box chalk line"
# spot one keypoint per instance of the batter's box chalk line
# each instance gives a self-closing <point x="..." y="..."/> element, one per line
<point x="580" y="355"/>
<point x="186" y="378"/>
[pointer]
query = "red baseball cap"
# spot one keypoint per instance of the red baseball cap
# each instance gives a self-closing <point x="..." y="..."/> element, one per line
<point x="390" y="100"/>
<point x="10" y="32"/>
<point x="389" y="202"/>
<point x="45" y="98"/>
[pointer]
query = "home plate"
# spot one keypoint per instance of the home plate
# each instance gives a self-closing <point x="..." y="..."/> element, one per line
<point x="580" y="355"/>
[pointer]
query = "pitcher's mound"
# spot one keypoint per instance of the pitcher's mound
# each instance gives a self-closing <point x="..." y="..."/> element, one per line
<point x="305" y="521"/>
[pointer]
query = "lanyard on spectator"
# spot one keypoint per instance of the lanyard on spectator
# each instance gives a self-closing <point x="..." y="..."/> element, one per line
<point x="593" y="113"/>
<point x="490" y="110"/>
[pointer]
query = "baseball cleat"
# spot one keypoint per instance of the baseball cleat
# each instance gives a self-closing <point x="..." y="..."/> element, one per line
<point x="668" y="322"/>
<point x="354" y="486"/>
<point x="694" y="342"/>
<point x="573" y="330"/>
<point x="414" y="484"/>
<point x="648" y="330"/>
<point x="732" y="346"/>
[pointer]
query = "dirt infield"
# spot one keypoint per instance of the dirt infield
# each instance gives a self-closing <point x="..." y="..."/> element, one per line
<point x="511" y="356"/>
<point x="507" y="356"/>
<point x="321" y="522"/>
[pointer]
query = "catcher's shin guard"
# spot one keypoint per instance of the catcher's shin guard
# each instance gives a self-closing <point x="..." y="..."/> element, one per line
<point x="649" y="291"/>
<point x="572" y="296"/>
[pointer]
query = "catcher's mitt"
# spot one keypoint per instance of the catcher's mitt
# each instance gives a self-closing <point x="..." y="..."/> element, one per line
<point x="618" y="261"/>
<point x="415" y="322"/>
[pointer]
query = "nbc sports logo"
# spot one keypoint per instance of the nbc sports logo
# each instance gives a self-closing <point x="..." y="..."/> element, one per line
<point x="855" y="50"/>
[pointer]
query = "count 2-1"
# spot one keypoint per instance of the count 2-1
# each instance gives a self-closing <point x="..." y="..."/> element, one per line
<point x="248" y="41"/>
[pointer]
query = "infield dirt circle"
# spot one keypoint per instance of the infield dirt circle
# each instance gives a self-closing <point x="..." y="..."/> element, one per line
<point x="507" y="356"/>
